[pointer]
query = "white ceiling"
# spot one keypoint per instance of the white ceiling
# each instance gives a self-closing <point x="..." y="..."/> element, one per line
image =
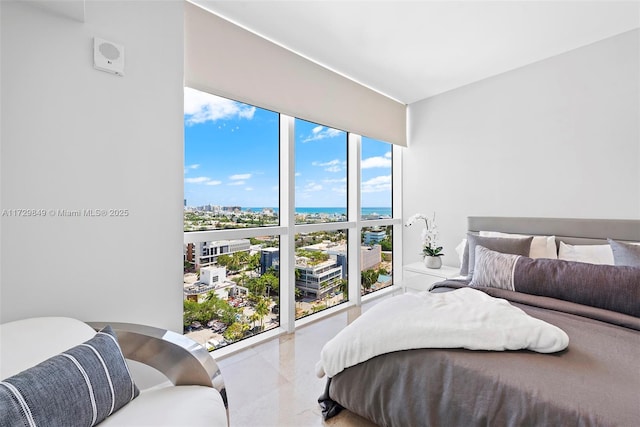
<point x="410" y="50"/>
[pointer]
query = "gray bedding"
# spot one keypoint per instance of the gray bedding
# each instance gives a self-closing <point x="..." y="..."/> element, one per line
<point x="595" y="382"/>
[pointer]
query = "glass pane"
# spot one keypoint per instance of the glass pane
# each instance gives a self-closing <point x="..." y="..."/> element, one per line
<point x="231" y="169"/>
<point x="321" y="173"/>
<point x="321" y="271"/>
<point x="231" y="289"/>
<point x="375" y="169"/>
<point x="376" y="258"/>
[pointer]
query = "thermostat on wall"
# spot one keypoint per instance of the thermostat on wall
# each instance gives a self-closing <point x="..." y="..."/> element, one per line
<point x="108" y="56"/>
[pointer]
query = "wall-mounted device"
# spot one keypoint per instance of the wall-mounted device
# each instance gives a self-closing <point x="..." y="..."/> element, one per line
<point x="108" y="56"/>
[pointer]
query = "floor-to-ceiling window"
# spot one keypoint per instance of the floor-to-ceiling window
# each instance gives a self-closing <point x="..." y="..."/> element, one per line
<point x="376" y="253"/>
<point x="237" y="232"/>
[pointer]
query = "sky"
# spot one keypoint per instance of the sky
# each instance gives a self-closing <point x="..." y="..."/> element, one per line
<point x="232" y="158"/>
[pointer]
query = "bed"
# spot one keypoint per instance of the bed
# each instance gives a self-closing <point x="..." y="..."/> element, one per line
<point x="594" y="381"/>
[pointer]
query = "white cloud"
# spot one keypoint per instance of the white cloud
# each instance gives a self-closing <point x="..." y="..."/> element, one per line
<point x="190" y="167"/>
<point x="377" y="184"/>
<point x="330" y="166"/>
<point x="236" y="183"/>
<point x="312" y="186"/>
<point x="298" y="174"/>
<point x="339" y="190"/>
<point x="198" y="180"/>
<point x="239" y="176"/>
<point x="376" y="162"/>
<point x="335" y="181"/>
<point x="329" y="163"/>
<point x="200" y="107"/>
<point x="249" y="189"/>
<point x="387" y="154"/>
<point x="320" y="132"/>
<point x="202" y="180"/>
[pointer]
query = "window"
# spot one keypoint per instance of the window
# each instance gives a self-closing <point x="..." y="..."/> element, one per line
<point x="231" y="164"/>
<point x="247" y="249"/>
<point x="321" y="173"/>
<point x="375" y="191"/>
<point x="233" y="295"/>
<point x="320" y="271"/>
<point x="231" y="283"/>
<point x="376" y="264"/>
<point x="376" y="258"/>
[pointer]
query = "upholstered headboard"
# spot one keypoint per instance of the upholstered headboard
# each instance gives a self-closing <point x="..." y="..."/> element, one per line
<point x="569" y="230"/>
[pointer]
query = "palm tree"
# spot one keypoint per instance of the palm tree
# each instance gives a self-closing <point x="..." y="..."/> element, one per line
<point x="243" y="279"/>
<point x="343" y="286"/>
<point x="368" y="278"/>
<point x="262" y="309"/>
<point x="254" y="318"/>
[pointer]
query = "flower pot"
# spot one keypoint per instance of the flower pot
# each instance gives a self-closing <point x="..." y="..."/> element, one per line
<point x="432" y="262"/>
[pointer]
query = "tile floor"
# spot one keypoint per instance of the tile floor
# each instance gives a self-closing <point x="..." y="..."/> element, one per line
<point x="274" y="383"/>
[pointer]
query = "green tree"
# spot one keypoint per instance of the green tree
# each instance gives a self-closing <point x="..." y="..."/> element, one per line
<point x="254" y="318"/>
<point x="270" y="282"/>
<point x="242" y="280"/>
<point x="262" y="309"/>
<point x="254" y="262"/>
<point x="256" y="286"/>
<point x="368" y="278"/>
<point x="224" y="260"/>
<point x="343" y="286"/>
<point x="190" y="312"/>
<point x="241" y="257"/>
<point x="235" y="331"/>
<point x="386" y="244"/>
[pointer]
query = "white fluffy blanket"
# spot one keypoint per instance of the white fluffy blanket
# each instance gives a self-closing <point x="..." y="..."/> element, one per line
<point x="464" y="318"/>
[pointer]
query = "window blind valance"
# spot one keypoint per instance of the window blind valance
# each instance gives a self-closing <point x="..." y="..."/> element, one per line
<point x="226" y="60"/>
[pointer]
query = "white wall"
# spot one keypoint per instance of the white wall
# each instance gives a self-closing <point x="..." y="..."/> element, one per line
<point x="558" y="138"/>
<point x="76" y="138"/>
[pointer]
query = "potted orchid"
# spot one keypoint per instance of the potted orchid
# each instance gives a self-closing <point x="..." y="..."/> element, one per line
<point x="430" y="249"/>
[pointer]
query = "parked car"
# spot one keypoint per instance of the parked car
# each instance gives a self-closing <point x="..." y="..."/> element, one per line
<point x="218" y="326"/>
<point x="213" y="344"/>
<point x="196" y="325"/>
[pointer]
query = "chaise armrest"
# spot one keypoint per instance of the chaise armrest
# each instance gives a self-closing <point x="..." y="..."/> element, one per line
<point x="182" y="360"/>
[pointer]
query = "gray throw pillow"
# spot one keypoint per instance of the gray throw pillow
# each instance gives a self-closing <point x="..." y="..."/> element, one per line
<point x="498" y="244"/>
<point x="625" y="253"/>
<point x="493" y="269"/>
<point x="611" y="287"/>
<point x="82" y="386"/>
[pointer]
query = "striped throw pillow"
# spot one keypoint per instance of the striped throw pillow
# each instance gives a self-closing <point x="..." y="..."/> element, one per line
<point x="81" y="386"/>
<point x="493" y="269"/>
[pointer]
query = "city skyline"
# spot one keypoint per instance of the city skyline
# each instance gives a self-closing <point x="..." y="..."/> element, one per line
<point x="232" y="156"/>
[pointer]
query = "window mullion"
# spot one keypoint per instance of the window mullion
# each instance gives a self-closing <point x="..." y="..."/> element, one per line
<point x="287" y="219"/>
<point x="396" y="200"/>
<point x="353" y="159"/>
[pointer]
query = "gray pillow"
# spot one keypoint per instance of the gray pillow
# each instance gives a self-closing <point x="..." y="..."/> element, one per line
<point x="493" y="269"/>
<point x="82" y="386"/>
<point x="615" y="288"/>
<point x="498" y="244"/>
<point x="625" y="254"/>
<point x="610" y="287"/>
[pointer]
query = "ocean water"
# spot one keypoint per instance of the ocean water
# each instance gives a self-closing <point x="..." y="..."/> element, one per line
<point x="379" y="211"/>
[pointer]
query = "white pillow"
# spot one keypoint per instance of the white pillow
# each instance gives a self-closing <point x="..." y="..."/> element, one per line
<point x="460" y="250"/>
<point x="593" y="254"/>
<point x="541" y="246"/>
